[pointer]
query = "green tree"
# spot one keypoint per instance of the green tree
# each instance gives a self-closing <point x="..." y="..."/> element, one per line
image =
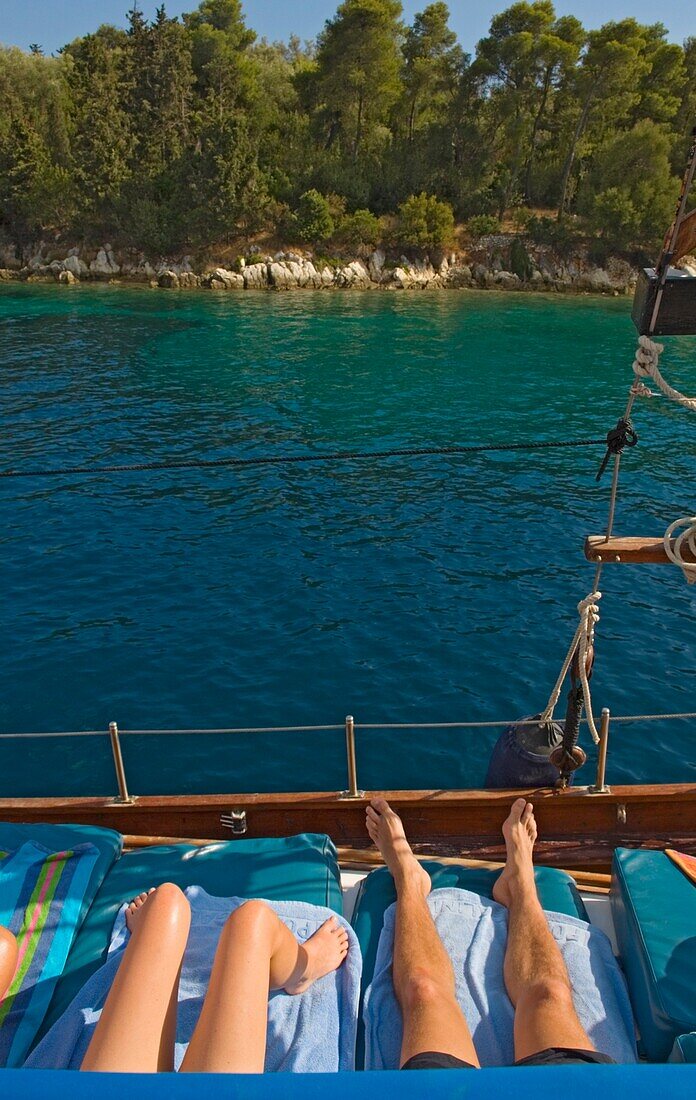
<point x="432" y="59"/>
<point x="356" y="81"/>
<point x="425" y="222"/>
<point x="612" y="68"/>
<point x="34" y="193"/>
<point x="526" y="55"/>
<point x="313" y="218"/>
<point x="360" y="228"/>
<point x="102" y="143"/>
<point x="629" y="193"/>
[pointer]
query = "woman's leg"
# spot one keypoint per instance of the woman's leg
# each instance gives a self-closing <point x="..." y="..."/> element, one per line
<point x="8" y="960"/>
<point x="256" y="953"/>
<point x="137" y="1028"/>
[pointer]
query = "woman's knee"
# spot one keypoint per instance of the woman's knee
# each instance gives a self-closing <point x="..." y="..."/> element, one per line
<point x="169" y="904"/>
<point x="252" y="917"/>
<point x="8" y="945"/>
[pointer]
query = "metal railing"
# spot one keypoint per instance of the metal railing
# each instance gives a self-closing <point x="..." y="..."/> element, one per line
<point x="349" y="726"/>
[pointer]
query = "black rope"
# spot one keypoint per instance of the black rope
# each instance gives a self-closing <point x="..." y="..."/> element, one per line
<point x="283" y="460"/>
<point x="623" y="435"/>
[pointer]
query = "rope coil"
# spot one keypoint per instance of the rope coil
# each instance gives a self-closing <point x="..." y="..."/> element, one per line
<point x="685" y="541"/>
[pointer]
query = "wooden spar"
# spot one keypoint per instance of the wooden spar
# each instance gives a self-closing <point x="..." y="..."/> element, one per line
<point x="631" y="551"/>
<point x="577" y="829"/>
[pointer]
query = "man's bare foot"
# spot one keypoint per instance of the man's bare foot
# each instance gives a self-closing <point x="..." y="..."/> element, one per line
<point x="135" y="909"/>
<point x="520" y="832"/>
<point x="323" y="952"/>
<point x="387" y="832"/>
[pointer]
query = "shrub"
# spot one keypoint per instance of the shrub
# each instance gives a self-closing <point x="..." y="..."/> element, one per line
<point x="520" y="218"/>
<point x="560" y="235"/>
<point x="423" y="221"/>
<point x="360" y="228"/>
<point x="481" y="225"/>
<point x="313" y="217"/>
<point x="520" y="262"/>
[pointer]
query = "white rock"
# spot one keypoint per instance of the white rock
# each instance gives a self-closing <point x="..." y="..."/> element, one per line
<point x="104" y="263"/>
<point x="75" y="265"/>
<point x="255" y="275"/>
<point x="327" y="276"/>
<point x="222" y="279"/>
<point x="279" y="275"/>
<point x="67" y="278"/>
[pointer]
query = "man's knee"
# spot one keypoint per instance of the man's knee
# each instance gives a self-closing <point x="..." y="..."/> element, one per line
<point x="420" y="989"/>
<point x="548" y="992"/>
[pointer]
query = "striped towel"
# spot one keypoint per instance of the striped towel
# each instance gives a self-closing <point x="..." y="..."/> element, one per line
<point x="41" y="894"/>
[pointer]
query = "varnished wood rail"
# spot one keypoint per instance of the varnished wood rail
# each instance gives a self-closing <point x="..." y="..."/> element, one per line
<point x="576" y="829"/>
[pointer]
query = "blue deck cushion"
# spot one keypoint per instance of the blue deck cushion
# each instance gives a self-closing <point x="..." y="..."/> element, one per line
<point x="684" y="1049"/>
<point x="556" y="889"/>
<point x="56" y="838"/>
<point x="295" y="868"/>
<point x="654" y="910"/>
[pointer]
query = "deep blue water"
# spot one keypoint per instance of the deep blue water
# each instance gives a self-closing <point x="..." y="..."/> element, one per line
<point x="414" y="589"/>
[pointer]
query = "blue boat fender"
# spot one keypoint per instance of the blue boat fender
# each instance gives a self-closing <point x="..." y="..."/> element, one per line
<point x="521" y="756"/>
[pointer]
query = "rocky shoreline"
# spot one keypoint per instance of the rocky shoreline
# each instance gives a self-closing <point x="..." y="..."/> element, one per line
<point x="487" y="266"/>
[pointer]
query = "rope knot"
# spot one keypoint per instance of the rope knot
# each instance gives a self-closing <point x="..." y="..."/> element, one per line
<point x="623" y="435"/>
<point x="647" y="357"/>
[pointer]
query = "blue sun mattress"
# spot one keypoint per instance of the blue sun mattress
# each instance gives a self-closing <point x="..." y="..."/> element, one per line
<point x="295" y="868"/>
<point x="557" y="892"/>
<point x="654" y="910"/>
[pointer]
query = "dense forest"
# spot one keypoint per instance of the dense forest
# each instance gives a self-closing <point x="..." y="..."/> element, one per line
<point x="173" y="135"/>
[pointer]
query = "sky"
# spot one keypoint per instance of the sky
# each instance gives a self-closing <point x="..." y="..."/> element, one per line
<point x="52" y="23"/>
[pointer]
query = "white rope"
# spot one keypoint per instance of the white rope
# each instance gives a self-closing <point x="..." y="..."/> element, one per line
<point x="685" y="541"/>
<point x="645" y="365"/>
<point x="583" y="639"/>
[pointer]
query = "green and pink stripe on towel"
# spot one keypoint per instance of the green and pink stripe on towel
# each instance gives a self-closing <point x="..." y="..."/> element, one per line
<point x="41" y="894"/>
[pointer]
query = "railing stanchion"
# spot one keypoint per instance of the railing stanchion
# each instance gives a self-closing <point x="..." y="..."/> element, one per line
<point x="353" y="790"/>
<point x="123" y="795"/>
<point x="600" y="786"/>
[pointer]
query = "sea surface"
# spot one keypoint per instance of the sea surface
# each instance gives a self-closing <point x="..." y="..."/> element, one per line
<point x="420" y="589"/>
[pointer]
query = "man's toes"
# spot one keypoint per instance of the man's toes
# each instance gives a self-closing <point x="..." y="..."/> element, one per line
<point x="372" y="814"/>
<point x="517" y="809"/>
<point x="527" y="813"/>
<point x="380" y="805"/>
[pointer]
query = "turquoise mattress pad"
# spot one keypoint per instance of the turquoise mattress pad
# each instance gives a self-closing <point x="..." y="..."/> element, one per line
<point x="654" y="910"/>
<point x="295" y="868"/>
<point x="556" y="889"/>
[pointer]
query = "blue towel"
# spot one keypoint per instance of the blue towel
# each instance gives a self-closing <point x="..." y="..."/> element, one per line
<point x="311" y="1033"/>
<point x="474" y="932"/>
<point x="41" y="901"/>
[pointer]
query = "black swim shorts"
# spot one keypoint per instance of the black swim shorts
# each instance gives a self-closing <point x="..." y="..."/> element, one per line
<point x="553" y="1056"/>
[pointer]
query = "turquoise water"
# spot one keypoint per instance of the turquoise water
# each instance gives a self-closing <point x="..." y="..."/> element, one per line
<point x="416" y="589"/>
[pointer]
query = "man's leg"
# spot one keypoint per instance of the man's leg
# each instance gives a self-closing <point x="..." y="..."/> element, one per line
<point x="535" y="975"/>
<point x="422" y="971"/>
<point x="256" y="953"/>
<point x="137" y="1027"/>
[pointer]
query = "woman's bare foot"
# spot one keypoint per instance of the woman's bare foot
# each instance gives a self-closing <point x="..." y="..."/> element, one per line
<point x="387" y="832"/>
<point x="134" y="910"/>
<point x="323" y="952"/>
<point x="520" y="832"/>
